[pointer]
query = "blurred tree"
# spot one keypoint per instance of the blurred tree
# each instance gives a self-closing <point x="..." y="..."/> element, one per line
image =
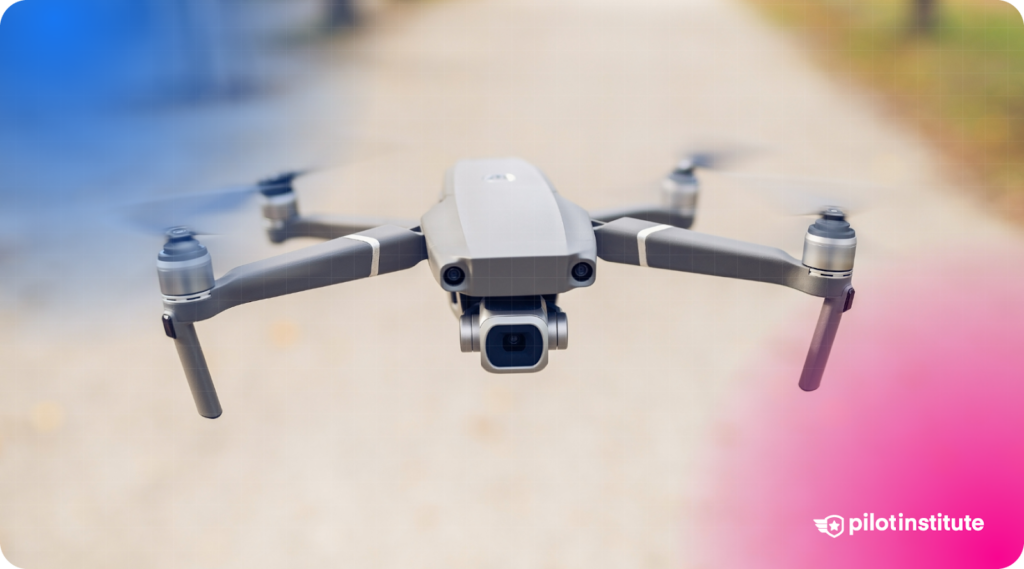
<point x="923" y="16"/>
<point x="207" y="49"/>
<point x="341" y="13"/>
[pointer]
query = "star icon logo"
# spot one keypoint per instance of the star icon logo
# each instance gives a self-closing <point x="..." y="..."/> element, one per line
<point x="831" y="526"/>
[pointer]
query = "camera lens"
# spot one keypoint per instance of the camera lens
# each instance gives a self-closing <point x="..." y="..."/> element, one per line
<point x="513" y="342"/>
<point x="582" y="272"/>
<point x="453" y="276"/>
<point x="514" y="345"/>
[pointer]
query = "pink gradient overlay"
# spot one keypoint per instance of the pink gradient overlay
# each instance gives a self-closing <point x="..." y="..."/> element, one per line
<point x="920" y="412"/>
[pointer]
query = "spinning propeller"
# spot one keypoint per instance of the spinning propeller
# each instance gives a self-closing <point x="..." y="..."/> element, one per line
<point x="710" y="159"/>
<point x="195" y="210"/>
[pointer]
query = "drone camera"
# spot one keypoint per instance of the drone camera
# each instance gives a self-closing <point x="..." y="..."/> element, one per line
<point x="514" y="334"/>
<point x="515" y="346"/>
<point x="453" y="276"/>
<point x="582" y="272"/>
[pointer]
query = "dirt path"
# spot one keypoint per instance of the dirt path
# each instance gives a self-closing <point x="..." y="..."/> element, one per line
<point x="355" y="433"/>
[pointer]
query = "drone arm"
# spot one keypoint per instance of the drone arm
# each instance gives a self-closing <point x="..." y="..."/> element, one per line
<point x="328" y="226"/>
<point x="646" y="244"/>
<point x="635" y="242"/>
<point x="381" y="250"/>
<point x="654" y="213"/>
<point x="678" y="207"/>
<point x="378" y="251"/>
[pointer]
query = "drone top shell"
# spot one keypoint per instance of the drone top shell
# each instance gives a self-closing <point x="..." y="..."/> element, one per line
<point x="504" y="226"/>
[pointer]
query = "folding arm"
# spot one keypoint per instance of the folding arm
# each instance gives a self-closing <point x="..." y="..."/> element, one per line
<point x="635" y="242"/>
<point x="653" y="213"/>
<point x="328" y="226"/>
<point x="678" y="205"/>
<point x="369" y="253"/>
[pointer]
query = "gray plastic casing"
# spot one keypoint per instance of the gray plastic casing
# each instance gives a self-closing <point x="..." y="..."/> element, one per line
<point x="501" y="222"/>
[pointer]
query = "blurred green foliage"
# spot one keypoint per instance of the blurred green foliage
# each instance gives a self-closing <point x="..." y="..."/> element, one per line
<point x="963" y="83"/>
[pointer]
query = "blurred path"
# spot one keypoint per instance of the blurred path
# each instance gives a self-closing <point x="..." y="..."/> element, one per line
<point x="355" y="433"/>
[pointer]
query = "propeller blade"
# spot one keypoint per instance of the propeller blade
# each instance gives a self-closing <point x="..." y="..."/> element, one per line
<point x="195" y="210"/>
<point x="805" y="196"/>
<point x="711" y="157"/>
<point x="192" y="210"/>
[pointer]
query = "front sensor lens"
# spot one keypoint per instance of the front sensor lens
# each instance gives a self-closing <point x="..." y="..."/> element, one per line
<point x="582" y="272"/>
<point x="453" y="276"/>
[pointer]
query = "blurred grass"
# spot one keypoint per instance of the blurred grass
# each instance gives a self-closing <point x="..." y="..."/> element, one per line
<point x="963" y="84"/>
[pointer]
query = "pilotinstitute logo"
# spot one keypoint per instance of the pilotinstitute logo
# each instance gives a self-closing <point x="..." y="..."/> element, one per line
<point x="833" y="526"/>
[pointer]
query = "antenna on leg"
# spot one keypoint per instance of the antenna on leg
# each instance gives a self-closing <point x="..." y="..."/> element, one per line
<point x="824" y="336"/>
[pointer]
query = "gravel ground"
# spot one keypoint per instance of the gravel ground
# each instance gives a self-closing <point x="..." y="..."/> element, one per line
<point x="355" y="433"/>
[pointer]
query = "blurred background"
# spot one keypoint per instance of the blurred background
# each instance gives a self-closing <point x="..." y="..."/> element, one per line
<point x="670" y="434"/>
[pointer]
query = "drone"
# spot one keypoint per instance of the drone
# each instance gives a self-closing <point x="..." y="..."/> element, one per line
<point x="502" y="244"/>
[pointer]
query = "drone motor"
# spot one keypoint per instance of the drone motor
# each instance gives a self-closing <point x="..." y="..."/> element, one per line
<point x="280" y="204"/>
<point x="830" y="245"/>
<point x="679" y="190"/>
<point x="184" y="266"/>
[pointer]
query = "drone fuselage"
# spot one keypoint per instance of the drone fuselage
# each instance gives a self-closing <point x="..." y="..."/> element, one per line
<point x="502" y="224"/>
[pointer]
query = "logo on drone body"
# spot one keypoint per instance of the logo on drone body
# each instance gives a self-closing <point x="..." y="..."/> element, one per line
<point x="831" y="526"/>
